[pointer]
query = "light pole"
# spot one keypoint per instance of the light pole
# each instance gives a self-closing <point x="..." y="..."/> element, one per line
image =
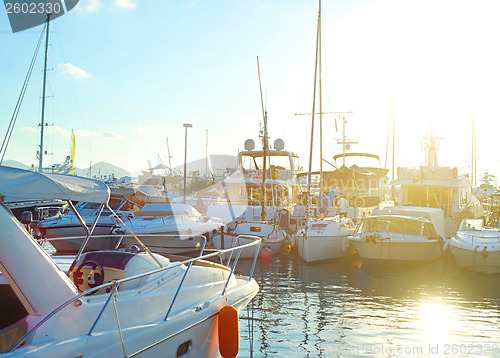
<point x="185" y="125"/>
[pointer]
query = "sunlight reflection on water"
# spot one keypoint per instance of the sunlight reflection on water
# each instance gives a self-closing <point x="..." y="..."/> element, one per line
<point x="349" y="308"/>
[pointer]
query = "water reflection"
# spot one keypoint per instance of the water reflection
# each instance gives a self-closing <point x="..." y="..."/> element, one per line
<point x="350" y="308"/>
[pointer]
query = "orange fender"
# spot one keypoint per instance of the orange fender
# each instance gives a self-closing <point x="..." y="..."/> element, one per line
<point x="229" y="334"/>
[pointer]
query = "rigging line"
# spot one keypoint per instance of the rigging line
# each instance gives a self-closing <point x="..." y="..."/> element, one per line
<point x="13" y="120"/>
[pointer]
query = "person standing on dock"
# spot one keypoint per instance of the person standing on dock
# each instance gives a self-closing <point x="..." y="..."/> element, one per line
<point x="342" y="205"/>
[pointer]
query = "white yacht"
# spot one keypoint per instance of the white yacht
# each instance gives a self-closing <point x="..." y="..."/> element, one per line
<point x="114" y="302"/>
<point x="169" y="228"/>
<point x="325" y="239"/>
<point x="400" y="234"/>
<point x="475" y="247"/>
<point x="244" y="199"/>
<point x="124" y="201"/>
<point x="436" y="186"/>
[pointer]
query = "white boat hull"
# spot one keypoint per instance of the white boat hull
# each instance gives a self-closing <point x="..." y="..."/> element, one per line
<point x="488" y="263"/>
<point x="317" y="248"/>
<point x="168" y="243"/>
<point x="398" y="250"/>
<point x="272" y="238"/>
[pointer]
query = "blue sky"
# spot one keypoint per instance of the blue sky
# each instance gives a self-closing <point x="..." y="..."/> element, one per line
<point x="127" y="74"/>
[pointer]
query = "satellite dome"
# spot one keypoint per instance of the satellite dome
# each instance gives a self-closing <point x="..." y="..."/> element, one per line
<point x="249" y="144"/>
<point x="279" y="144"/>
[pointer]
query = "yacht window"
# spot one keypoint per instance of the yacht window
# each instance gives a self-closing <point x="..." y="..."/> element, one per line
<point x="373" y="226"/>
<point x="471" y="225"/>
<point x="429" y="231"/>
<point x="255" y="229"/>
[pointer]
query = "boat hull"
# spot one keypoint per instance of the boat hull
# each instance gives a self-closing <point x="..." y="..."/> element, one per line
<point x="272" y="238"/>
<point x="398" y="251"/>
<point x="487" y="263"/>
<point x="74" y="230"/>
<point x="72" y="244"/>
<point x="168" y="243"/>
<point x="317" y="248"/>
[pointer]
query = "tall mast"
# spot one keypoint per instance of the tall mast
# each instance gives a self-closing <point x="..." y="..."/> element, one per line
<point x="393" y="131"/>
<point x="42" y="121"/>
<point x="169" y="158"/>
<point x="264" y="152"/>
<point x="320" y="110"/>
<point x="312" y="125"/>
<point x="473" y="164"/>
<point x="206" y="154"/>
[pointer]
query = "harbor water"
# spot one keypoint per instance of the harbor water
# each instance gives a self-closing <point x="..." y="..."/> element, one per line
<point x="350" y="308"/>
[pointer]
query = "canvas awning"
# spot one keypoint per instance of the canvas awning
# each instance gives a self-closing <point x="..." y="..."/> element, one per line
<point x="23" y="184"/>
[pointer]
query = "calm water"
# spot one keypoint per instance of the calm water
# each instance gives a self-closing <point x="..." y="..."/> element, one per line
<point x="351" y="309"/>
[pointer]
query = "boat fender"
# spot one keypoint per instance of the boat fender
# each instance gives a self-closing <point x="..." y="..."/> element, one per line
<point x="485" y="252"/>
<point x="266" y="253"/>
<point x="228" y="332"/>
<point x="446" y="244"/>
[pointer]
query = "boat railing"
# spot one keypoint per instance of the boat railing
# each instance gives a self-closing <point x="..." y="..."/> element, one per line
<point x="115" y="284"/>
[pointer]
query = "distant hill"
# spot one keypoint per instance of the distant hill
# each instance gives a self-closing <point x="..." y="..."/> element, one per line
<point x="15" y="164"/>
<point x="98" y="169"/>
<point x="102" y="168"/>
<point x="219" y="163"/>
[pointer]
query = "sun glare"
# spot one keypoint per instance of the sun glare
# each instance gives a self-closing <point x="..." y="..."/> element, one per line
<point x="435" y="322"/>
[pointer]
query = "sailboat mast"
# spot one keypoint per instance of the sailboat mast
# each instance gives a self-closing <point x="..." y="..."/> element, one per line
<point x="206" y="155"/>
<point x="473" y="164"/>
<point x="169" y="158"/>
<point x="393" y="131"/>
<point x="264" y="152"/>
<point x="312" y="125"/>
<point x="42" y="121"/>
<point x="320" y="111"/>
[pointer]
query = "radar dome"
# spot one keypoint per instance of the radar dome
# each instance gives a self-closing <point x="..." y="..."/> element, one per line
<point x="279" y="144"/>
<point x="249" y="144"/>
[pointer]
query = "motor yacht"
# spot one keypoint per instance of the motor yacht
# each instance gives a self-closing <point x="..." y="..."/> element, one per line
<point x="476" y="247"/>
<point x="325" y="239"/>
<point x="400" y="234"/>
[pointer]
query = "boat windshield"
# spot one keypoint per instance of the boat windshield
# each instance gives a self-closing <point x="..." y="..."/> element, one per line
<point x="471" y="225"/>
<point x="406" y="226"/>
<point x="253" y="162"/>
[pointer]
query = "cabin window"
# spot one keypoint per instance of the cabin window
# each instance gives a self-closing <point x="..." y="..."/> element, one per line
<point x="429" y="232"/>
<point x="255" y="229"/>
<point x="405" y="226"/>
<point x="373" y="226"/>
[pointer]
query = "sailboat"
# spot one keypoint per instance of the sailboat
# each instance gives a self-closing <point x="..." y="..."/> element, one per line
<point x="66" y="167"/>
<point x="322" y="238"/>
<point x="270" y="222"/>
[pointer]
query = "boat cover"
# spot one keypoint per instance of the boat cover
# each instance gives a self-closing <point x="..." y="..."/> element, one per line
<point x="24" y="184"/>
